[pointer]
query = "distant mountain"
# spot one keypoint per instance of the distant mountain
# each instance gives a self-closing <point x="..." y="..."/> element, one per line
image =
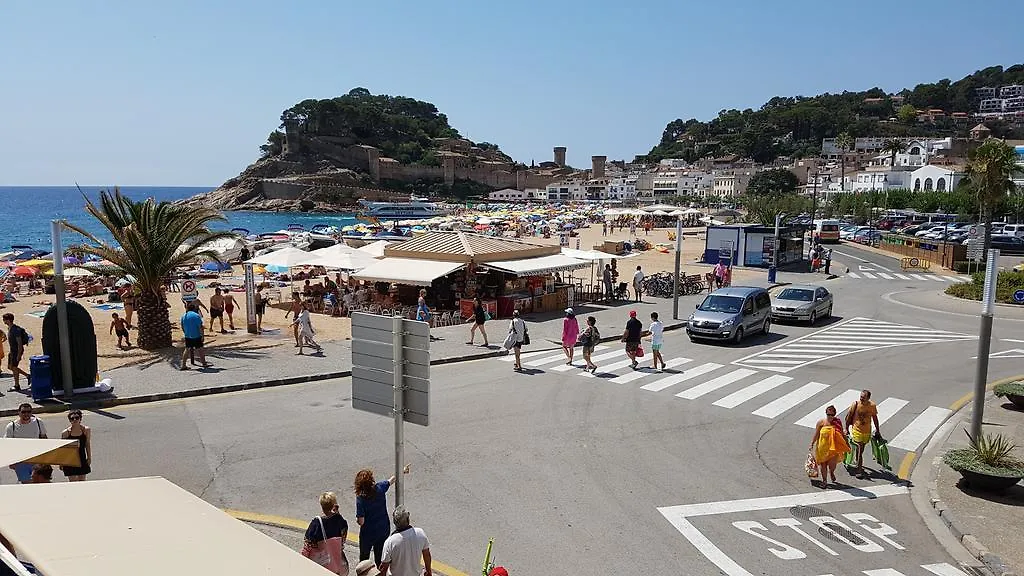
<point x="794" y="126"/>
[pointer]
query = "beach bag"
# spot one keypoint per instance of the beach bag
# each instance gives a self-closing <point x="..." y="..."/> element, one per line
<point x="526" y="335"/>
<point x="811" y="466"/>
<point x="510" y="340"/>
<point x="487" y="315"/>
<point x="639" y="351"/>
<point x="849" y="460"/>
<point x="318" y="552"/>
<point x="585" y="339"/>
<point x="880" y="451"/>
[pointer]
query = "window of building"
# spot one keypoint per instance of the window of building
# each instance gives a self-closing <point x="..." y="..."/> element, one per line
<point x="941" y="185"/>
<point x="917" y="185"/>
<point x="927" y="184"/>
<point x="915" y="151"/>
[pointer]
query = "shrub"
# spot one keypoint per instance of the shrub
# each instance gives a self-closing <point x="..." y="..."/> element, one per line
<point x="1009" y="389"/>
<point x="989" y="454"/>
<point x="1007" y="283"/>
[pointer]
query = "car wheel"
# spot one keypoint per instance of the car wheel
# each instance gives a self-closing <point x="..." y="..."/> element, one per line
<point x="813" y="318"/>
<point x="738" y="336"/>
<point x="692" y="339"/>
<point x="766" y="326"/>
<point x="828" y="313"/>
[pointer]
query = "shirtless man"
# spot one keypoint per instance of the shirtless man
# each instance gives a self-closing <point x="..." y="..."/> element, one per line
<point x="120" y="326"/>
<point x="217" y="310"/>
<point x="229" y="307"/>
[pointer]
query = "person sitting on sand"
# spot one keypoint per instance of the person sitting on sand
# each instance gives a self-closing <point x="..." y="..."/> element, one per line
<point x="119" y="326"/>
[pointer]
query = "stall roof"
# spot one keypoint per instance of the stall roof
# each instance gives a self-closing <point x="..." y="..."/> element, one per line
<point x="38" y="451"/>
<point x="289" y="257"/>
<point x="466" y="247"/>
<point x="344" y="257"/>
<point x="538" y="266"/>
<point x="407" y="271"/>
<point x="137" y="526"/>
<point x="375" y="249"/>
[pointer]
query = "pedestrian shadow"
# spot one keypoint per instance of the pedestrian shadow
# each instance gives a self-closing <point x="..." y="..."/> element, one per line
<point x="530" y="371"/>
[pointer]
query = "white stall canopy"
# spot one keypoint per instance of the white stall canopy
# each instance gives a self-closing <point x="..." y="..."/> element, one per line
<point x="407" y="271"/>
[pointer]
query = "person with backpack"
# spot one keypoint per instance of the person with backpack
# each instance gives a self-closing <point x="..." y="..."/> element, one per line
<point x="17" y="340"/>
<point x="589" y="338"/>
<point x="26" y="426"/>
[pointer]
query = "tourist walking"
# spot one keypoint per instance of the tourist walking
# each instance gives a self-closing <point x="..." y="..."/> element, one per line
<point x="120" y="327"/>
<point x="17" y="340"/>
<point x="604" y="228"/>
<point x="631" y="336"/>
<point x="720" y="274"/>
<point x="294" y="308"/>
<point x="3" y="354"/>
<point x="260" y="301"/>
<point x="570" y="332"/>
<point x="589" y="338"/>
<point x="516" y="338"/>
<point x="324" y="540"/>
<point x="859" y="419"/>
<point x="479" y="317"/>
<point x="83" y="435"/>
<point x="828" y="445"/>
<point x="638" y="283"/>
<point x="606" y="277"/>
<point x="128" y="301"/>
<point x="405" y="547"/>
<point x="304" y="326"/>
<point x="372" y="512"/>
<point x="25" y="426"/>
<point x="422" y="310"/>
<point x="657" y="331"/>
<point x="229" y="309"/>
<point x="192" y="328"/>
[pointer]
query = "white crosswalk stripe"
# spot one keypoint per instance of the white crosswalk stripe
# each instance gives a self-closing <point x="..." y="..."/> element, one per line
<point x="840" y="402"/>
<point x="595" y="359"/>
<point x="847" y="337"/>
<point x="607" y="369"/>
<point x="784" y="403"/>
<point x="896" y="276"/>
<point x="714" y="384"/>
<point x="511" y="357"/>
<point x="669" y="381"/>
<point x="868" y="275"/>
<point x="886" y="276"/>
<point x="901" y="276"/>
<point x="920" y="428"/>
<point x="754" y="390"/>
<point x="853" y="275"/>
<point x="919" y="277"/>
<point x="643" y="372"/>
<point x="555" y="357"/>
<point x="888" y="408"/>
<point x="943" y="569"/>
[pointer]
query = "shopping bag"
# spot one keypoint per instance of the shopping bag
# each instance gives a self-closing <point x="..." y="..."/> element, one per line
<point x="510" y="341"/>
<point x="850" y="459"/>
<point x="639" y="351"/>
<point x="880" y="450"/>
<point x="811" y="467"/>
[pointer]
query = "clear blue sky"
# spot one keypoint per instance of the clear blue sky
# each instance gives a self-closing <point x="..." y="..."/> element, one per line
<point x="184" y="92"/>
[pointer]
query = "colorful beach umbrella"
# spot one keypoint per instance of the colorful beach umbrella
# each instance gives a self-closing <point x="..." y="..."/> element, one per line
<point x="24" y="271"/>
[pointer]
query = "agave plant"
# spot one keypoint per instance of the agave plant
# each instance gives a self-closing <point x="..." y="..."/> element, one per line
<point x="151" y="239"/>
<point x="988" y="454"/>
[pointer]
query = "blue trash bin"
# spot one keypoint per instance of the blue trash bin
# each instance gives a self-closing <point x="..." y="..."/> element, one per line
<point x="42" y="377"/>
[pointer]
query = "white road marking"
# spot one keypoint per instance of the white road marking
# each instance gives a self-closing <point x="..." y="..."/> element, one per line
<point x="920" y="428"/>
<point x="511" y="357"/>
<point x="888" y="408"/>
<point x="966" y="278"/>
<point x="756" y="389"/>
<point x="815" y="346"/>
<point x="608" y="368"/>
<point x="772" y="361"/>
<point x="800" y="356"/>
<point x="853" y="275"/>
<point x="901" y="276"/>
<point x="938" y="278"/>
<point x="886" y="276"/>
<point x="668" y="381"/>
<point x="784" y="403"/>
<point x="545" y="360"/>
<point x="647" y="371"/>
<point x="714" y="384"/>
<point x="883" y="572"/>
<point x="869" y="275"/>
<point x="841" y="403"/>
<point x="919" y="277"/>
<point x="943" y="569"/>
<point x="594" y="359"/>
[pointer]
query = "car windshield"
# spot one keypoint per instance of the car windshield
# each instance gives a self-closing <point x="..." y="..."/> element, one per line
<point x="797" y="294"/>
<point x="714" y="303"/>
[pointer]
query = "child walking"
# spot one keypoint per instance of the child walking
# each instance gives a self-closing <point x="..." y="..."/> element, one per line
<point x="657" y="330"/>
<point x="120" y="327"/>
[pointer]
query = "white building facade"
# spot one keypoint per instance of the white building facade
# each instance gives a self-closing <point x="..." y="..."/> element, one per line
<point x="937" y="178"/>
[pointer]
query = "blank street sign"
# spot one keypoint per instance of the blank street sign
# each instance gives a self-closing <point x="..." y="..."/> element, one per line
<point x="373" y="362"/>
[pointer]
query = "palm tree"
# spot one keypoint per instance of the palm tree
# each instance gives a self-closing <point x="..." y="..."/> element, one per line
<point x="990" y="169"/>
<point x="151" y="239"/>
<point x="893" y="146"/>
<point x="844" y="142"/>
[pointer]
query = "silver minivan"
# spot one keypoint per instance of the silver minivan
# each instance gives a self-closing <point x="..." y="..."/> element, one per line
<point x="730" y="314"/>
<point x="1012" y="230"/>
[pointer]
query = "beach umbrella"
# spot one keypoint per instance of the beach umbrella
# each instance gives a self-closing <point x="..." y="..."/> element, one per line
<point x="36" y="263"/>
<point x="214" y="266"/>
<point x="676" y="213"/>
<point x="72" y="260"/>
<point x="24" y="271"/>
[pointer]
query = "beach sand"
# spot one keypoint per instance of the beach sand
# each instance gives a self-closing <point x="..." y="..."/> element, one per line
<point x="277" y="332"/>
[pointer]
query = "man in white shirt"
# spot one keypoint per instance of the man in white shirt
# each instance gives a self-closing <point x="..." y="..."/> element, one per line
<point x="26" y="426"/>
<point x="657" y="330"/>
<point x="638" y="282"/>
<point x="404" y="548"/>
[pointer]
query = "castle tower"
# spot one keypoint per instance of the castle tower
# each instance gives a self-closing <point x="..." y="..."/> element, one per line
<point x="560" y="155"/>
<point x="597" y="166"/>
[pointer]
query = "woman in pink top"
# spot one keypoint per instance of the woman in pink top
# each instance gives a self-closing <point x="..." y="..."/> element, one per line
<point x="570" y="332"/>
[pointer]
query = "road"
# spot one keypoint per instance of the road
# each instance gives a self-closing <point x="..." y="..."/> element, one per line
<point x="698" y="470"/>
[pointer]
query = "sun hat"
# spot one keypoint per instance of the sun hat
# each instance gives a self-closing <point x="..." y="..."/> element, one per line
<point x="568" y="310"/>
<point x="367" y="568"/>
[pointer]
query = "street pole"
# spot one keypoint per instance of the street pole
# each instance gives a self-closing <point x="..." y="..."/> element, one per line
<point x="675" y="283"/>
<point x="63" y="339"/>
<point x="984" y="341"/>
<point x="399" y="361"/>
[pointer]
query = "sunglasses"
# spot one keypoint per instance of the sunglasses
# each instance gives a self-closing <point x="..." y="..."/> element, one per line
<point x="74" y="417"/>
<point x="24" y="412"/>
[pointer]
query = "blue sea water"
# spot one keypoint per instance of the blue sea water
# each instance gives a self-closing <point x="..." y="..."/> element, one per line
<point x="26" y="212"/>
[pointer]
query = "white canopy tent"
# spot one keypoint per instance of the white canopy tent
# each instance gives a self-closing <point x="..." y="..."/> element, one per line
<point x="592" y="255"/>
<point x="407" y="271"/>
<point x="375" y="249"/>
<point x="136" y="526"/>
<point x="289" y="257"/>
<point x="346" y="258"/>
<point x="537" y="266"/>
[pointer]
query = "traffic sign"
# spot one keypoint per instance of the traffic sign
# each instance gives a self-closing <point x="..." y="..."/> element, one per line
<point x="973" y="232"/>
<point x="374" y="358"/>
<point x="189" y="290"/>
<point x="1018" y="296"/>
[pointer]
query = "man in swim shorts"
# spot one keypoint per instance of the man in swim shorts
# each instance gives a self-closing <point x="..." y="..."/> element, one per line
<point x="217" y="310"/>
<point x="859" y="418"/>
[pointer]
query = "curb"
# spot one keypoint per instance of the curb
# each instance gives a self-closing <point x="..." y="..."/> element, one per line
<point x="999" y="304"/>
<point x="973" y="546"/>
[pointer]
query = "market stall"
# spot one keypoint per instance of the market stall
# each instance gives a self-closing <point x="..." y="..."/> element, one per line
<point x="530" y="284"/>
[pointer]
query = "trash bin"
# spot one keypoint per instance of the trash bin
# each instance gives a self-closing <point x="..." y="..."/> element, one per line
<point x="771" y="274"/>
<point x="42" y="381"/>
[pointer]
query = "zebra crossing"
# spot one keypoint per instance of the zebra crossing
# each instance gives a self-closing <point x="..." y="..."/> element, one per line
<point x="761" y="394"/>
<point x="848" y="337"/>
<point x="864" y="275"/>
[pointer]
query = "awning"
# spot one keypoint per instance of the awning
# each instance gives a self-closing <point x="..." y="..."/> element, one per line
<point x="289" y="257"/>
<point x="407" y="271"/>
<point x="537" y="266"/>
<point x="39" y="451"/>
<point x="137" y="526"/>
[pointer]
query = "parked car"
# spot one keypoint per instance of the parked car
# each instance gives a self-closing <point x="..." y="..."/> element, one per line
<point x="802" y="302"/>
<point x="1012" y="245"/>
<point x="847" y="232"/>
<point x="867" y="236"/>
<point x="730" y="314"/>
<point x="926" y="229"/>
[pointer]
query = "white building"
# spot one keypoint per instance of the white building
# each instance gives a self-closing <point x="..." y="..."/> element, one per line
<point x="1013" y="104"/>
<point x="730" y="184"/>
<point x="919" y="152"/>
<point x="696" y="184"/>
<point x="1011" y="91"/>
<point x="568" y="191"/>
<point x="938" y="178"/>
<point x="509" y="195"/>
<point x="986" y="92"/>
<point x="991" y="105"/>
<point x="879" y="179"/>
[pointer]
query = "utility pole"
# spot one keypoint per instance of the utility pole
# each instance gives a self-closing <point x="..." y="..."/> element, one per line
<point x="675" y="283"/>
<point x="63" y="338"/>
<point x="988" y="297"/>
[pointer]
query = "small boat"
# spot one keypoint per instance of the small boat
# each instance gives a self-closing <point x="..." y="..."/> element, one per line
<point x="243" y="232"/>
<point x="296" y="228"/>
<point x="414" y="208"/>
<point x="324" y="229"/>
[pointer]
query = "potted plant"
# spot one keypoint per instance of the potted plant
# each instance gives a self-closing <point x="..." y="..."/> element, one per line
<point x="986" y="464"/>
<point x="1013" y="391"/>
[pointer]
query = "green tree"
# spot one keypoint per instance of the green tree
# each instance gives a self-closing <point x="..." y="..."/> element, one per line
<point x="907" y="114"/>
<point x="990" y="169"/>
<point x="776" y="181"/>
<point x="844" y="142"/>
<point x="151" y="239"/>
<point x="274" y="145"/>
<point x="892" y="147"/>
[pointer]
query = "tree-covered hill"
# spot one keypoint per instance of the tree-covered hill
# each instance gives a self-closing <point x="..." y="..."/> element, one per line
<point x="795" y="126"/>
<point x="402" y="128"/>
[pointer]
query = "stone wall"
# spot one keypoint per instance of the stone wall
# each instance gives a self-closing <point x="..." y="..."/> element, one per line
<point x="276" y="190"/>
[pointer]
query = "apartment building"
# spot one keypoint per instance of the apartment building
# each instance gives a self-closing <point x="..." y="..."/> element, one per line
<point x="986" y="92"/>
<point x="1011" y="91"/>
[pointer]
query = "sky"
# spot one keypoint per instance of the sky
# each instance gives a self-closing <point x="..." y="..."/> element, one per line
<point x="185" y="92"/>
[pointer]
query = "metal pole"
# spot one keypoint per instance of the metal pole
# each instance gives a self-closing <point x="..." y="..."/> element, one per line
<point x="675" y="284"/>
<point x="63" y="339"/>
<point x="984" y="341"/>
<point x="399" y="361"/>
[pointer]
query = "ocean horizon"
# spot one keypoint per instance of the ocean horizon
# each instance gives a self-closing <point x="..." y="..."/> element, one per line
<point x="26" y="212"/>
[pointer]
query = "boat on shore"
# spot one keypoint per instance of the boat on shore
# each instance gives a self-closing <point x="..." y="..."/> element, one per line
<point x="414" y="208"/>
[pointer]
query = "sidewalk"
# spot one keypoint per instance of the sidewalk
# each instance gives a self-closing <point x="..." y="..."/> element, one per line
<point x="234" y="368"/>
<point x="988" y="525"/>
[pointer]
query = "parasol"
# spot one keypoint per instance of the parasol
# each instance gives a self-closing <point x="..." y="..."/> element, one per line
<point x="24" y="271"/>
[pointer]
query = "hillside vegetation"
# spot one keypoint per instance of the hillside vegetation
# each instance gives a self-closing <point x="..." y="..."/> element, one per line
<point x="794" y="126"/>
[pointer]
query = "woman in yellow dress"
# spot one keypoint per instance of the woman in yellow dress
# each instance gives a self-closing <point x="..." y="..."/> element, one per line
<point x="829" y="445"/>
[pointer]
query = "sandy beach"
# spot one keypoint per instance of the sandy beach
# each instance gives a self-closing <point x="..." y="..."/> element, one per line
<point x="277" y="332"/>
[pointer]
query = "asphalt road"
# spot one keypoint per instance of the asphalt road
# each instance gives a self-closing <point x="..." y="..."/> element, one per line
<point x="698" y="470"/>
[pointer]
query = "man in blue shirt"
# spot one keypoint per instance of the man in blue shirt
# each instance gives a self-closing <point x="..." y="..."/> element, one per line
<point x="192" y="326"/>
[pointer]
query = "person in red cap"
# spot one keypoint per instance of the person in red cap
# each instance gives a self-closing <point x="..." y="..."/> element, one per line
<point x="631" y="336"/>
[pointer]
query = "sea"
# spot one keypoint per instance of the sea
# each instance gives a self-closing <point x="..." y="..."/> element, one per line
<point x="26" y="212"/>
